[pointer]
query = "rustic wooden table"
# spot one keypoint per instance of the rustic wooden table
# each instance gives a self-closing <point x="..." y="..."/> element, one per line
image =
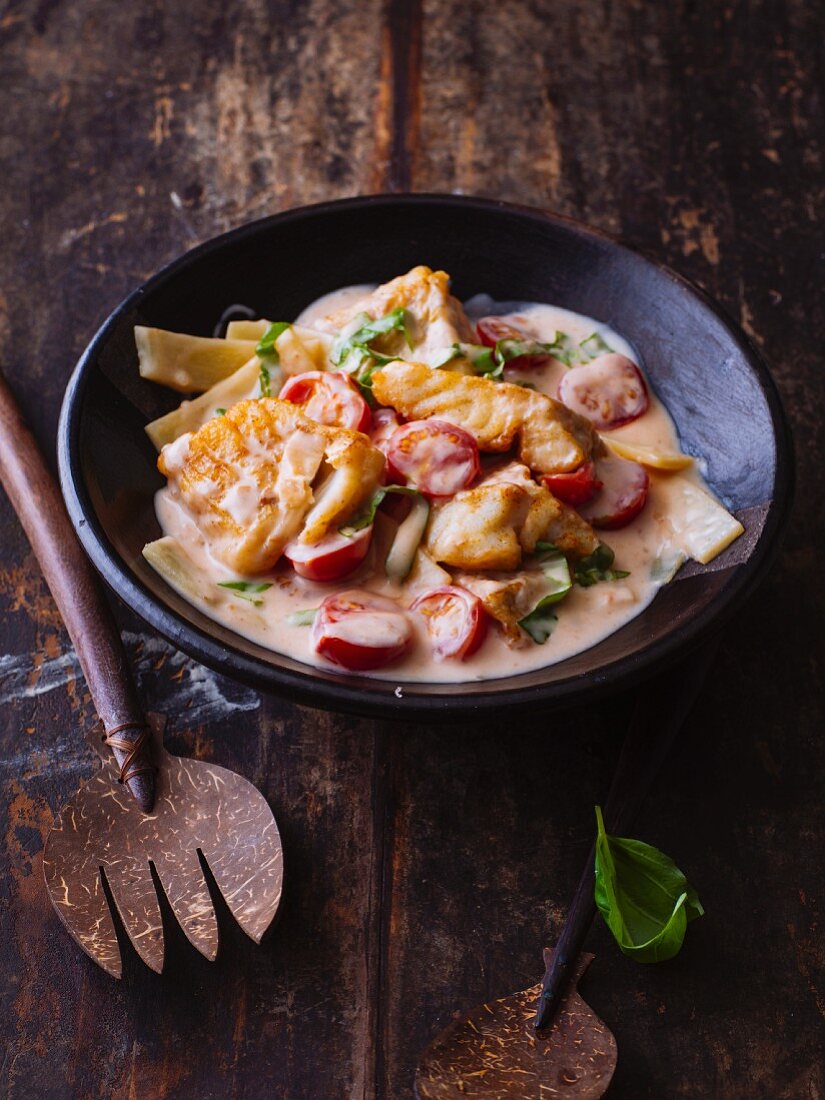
<point x="425" y="868"/>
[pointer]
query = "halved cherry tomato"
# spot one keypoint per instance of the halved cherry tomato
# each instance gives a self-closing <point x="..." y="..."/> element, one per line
<point x="434" y="456"/>
<point x="492" y="329"/>
<point x="456" y="621"/>
<point x="609" y="391"/>
<point x="330" y="398"/>
<point x="360" y="630"/>
<point x="335" y="556"/>
<point x="574" y="488"/>
<point x="624" y="492"/>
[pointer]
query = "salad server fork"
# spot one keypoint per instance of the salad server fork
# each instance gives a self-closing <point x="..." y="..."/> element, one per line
<point x="144" y="808"/>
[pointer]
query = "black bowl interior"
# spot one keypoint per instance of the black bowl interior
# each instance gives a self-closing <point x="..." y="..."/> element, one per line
<point x="717" y="390"/>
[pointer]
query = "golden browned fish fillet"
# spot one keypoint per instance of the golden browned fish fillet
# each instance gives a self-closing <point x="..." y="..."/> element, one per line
<point x="550" y="438"/>
<point x="493" y="524"/>
<point x="263" y="474"/>
<point x="434" y="316"/>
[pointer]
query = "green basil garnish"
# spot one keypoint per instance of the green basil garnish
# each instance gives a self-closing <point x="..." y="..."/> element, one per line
<point x="268" y="354"/>
<point x="542" y="620"/>
<point x="367" y="515"/>
<point x="220" y="412"/>
<point x="644" y="898"/>
<point x="490" y="362"/>
<point x="247" y="590"/>
<point x="354" y="352"/>
<point x="302" y="618"/>
<point x="596" y="567"/>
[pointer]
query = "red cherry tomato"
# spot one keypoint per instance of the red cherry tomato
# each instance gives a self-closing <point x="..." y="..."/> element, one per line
<point x="574" y="488"/>
<point x="609" y="391"/>
<point x="456" y="621"/>
<point x="333" y="557"/>
<point x="436" y="457"/>
<point x="330" y="398"/>
<point x="492" y="329"/>
<point x="623" y="495"/>
<point x="359" y="630"/>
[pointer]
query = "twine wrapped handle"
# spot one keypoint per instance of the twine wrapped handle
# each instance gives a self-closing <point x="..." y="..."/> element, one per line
<point x="135" y="760"/>
<point x="77" y="592"/>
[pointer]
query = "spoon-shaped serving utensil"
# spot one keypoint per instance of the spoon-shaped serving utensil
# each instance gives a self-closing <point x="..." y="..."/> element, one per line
<point x="497" y="1053"/>
<point x="141" y="808"/>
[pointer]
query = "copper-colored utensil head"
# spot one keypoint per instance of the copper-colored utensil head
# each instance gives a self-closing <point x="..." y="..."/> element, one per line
<point x="198" y="807"/>
<point x="495" y="1054"/>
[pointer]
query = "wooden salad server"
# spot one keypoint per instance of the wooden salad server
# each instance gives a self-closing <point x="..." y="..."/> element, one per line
<point x="143" y="807"/>
<point x="545" y="1041"/>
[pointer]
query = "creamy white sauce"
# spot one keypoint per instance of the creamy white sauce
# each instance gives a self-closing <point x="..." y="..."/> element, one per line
<point x="585" y="617"/>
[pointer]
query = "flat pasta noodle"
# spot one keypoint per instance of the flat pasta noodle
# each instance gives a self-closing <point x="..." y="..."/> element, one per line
<point x="188" y="364"/>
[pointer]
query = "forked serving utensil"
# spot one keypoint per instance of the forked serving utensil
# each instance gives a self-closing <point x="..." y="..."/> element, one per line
<point x="496" y="1052"/>
<point x="175" y="808"/>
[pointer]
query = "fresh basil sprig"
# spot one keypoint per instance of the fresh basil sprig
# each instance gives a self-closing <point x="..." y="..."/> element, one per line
<point x="367" y="515"/>
<point x="644" y="898"/>
<point x="268" y="354"/>
<point x="247" y="590"/>
<point x="596" y="567"/>
<point x="353" y="351"/>
<point x="542" y="620"/>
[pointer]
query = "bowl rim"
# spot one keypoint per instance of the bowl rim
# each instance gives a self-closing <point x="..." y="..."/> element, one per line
<point x="377" y="698"/>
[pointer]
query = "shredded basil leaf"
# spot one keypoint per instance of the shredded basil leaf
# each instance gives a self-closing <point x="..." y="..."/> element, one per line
<point x="265" y="380"/>
<point x="302" y="618"/>
<point x="353" y="352"/>
<point x="644" y="898"/>
<point x="491" y="362"/>
<point x="541" y="622"/>
<point x="595" y="345"/>
<point x="367" y="515"/>
<point x="265" y="348"/>
<point x="220" y="412"/>
<point x="596" y="567"/>
<point x="247" y="590"/>
<point x="268" y="354"/>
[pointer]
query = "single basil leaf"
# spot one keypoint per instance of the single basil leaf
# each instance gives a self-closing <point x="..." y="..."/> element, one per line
<point x="367" y="515"/>
<point x="596" y="567"/>
<point x="302" y="618"/>
<point x="643" y="897"/>
<point x="220" y="412"/>
<point x="265" y="379"/>
<point x="556" y="574"/>
<point x="265" y="348"/>
<point x="541" y="622"/>
<point x="247" y="590"/>
<point x="594" y="346"/>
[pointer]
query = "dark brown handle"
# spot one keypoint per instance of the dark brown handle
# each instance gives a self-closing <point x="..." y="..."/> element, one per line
<point x="660" y="712"/>
<point x="77" y="592"/>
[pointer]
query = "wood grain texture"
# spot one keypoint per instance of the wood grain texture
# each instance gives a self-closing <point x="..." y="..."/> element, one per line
<point x="424" y="869"/>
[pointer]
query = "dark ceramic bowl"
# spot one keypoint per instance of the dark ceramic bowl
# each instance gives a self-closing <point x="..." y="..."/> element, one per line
<point x="713" y="382"/>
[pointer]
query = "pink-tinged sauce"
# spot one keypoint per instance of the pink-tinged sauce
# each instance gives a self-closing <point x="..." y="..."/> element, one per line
<point x="586" y="615"/>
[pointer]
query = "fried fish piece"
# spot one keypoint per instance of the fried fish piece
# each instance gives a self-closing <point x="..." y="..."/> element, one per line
<point x="493" y="524"/>
<point x="507" y="598"/>
<point x="263" y="474"/>
<point x="434" y="317"/>
<point x="550" y="437"/>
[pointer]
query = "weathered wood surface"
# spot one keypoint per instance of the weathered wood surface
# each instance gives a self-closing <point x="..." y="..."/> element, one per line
<point x="425" y="869"/>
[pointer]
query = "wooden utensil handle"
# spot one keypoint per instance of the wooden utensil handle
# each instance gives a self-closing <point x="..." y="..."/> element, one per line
<point x="35" y="497"/>
<point x="661" y="709"/>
